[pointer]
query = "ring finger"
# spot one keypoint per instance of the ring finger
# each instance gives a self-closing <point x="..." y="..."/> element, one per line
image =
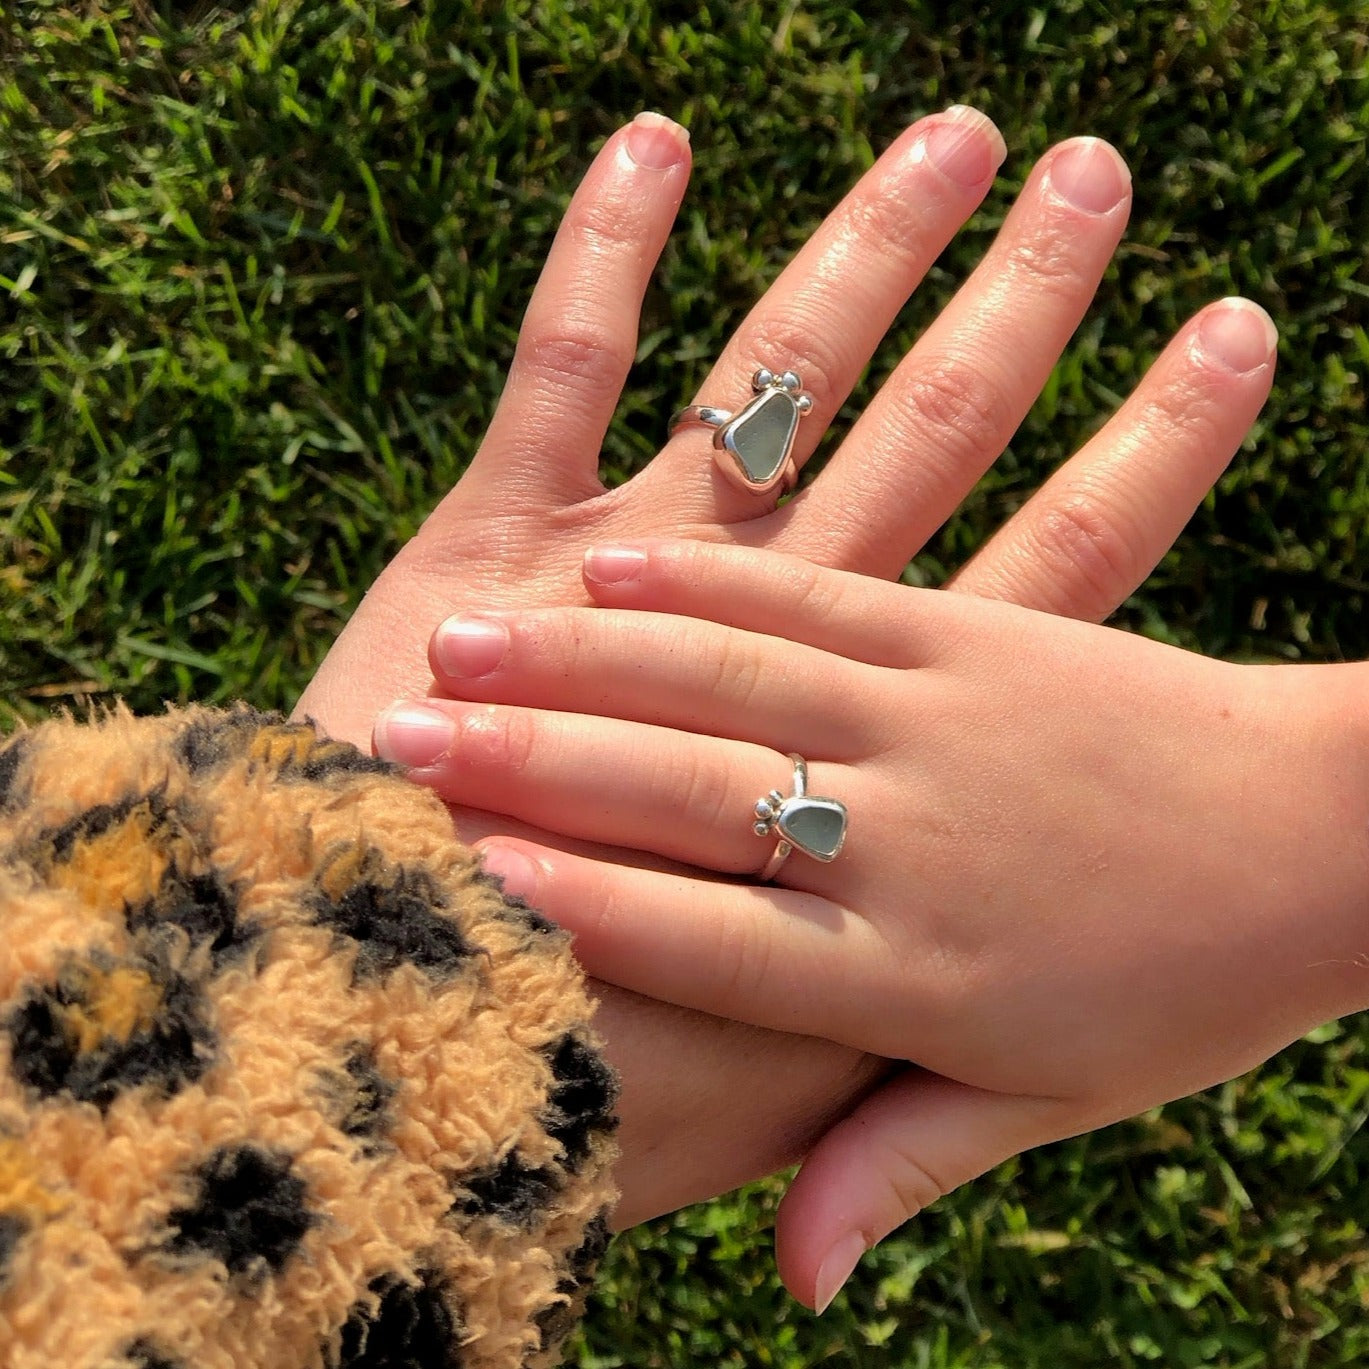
<point x="956" y="399"/>
<point x="688" y="798"/>
<point x="830" y="307"/>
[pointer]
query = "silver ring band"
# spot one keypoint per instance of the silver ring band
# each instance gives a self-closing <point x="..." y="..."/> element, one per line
<point x="782" y="852"/>
<point x="804" y="822"/>
<point x="754" y="447"/>
<point x="694" y="415"/>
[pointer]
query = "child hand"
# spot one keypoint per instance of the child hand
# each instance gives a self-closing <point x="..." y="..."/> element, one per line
<point x="512" y="531"/>
<point x="1085" y="873"/>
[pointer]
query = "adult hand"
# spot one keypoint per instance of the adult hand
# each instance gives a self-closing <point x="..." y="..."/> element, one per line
<point x="1086" y="873"/>
<point x="734" y="1104"/>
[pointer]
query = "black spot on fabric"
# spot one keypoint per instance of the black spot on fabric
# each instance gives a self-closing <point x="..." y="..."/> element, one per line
<point x="556" y="1318"/>
<point x="47" y="1053"/>
<point x="144" y="1354"/>
<point x="585" y="1258"/>
<point x="12" y="1231"/>
<point x="249" y="1212"/>
<point x="582" y="1098"/>
<point x="513" y="1190"/>
<point x="103" y="817"/>
<point x="205" y="908"/>
<point x="393" y="923"/>
<point x="412" y="1328"/>
<point x="342" y="758"/>
<point x="12" y="758"/>
<point x="369" y="1095"/>
<point x="519" y="911"/>
<point x="209" y="742"/>
<point x="295" y="751"/>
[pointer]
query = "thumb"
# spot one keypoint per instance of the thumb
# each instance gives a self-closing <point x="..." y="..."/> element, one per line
<point x="905" y="1146"/>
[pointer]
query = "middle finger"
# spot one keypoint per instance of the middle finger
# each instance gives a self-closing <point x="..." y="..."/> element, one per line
<point x="953" y="404"/>
<point x="664" y="669"/>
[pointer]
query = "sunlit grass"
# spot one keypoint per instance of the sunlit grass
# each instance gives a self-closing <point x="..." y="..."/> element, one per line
<point x="261" y="268"/>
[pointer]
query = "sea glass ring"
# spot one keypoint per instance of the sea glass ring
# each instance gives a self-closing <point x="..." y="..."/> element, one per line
<point x="800" y="822"/>
<point x="754" y="447"/>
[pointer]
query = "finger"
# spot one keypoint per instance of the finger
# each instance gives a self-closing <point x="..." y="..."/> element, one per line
<point x="910" y="1143"/>
<point x="767" y="956"/>
<point x="668" y="671"/>
<point x="579" y="335"/>
<point x="688" y="798"/>
<point x="1100" y="524"/>
<point x="953" y="404"/>
<point x="759" y="591"/>
<point x="827" y="312"/>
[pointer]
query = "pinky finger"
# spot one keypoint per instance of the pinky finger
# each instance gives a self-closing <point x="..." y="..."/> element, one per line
<point x="912" y="1142"/>
<point x="768" y="956"/>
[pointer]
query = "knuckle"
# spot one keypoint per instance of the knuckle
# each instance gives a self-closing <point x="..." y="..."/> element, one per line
<point x="576" y="353"/>
<point x="608" y="230"/>
<point x="913" y="1186"/>
<point x="597" y="908"/>
<point x="743" y="957"/>
<point x="1052" y="258"/>
<point x="958" y="405"/>
<point x="1087" y="540"/>
<point x="816" y="595"/>
<point x="601" y="230"/>
<point x="801" y="343"/>
<point x="889" y="223"/>
<point x="703" y="786"/>
<point x="605" y="910"/>
<point x="1188" y="413"/>
<point x="737" y="672"/>
<point x="501" y="738"/>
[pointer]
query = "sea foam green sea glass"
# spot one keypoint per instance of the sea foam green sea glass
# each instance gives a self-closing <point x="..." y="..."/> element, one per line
<point x="816" y="826"/>
<point x="761" y="435"/>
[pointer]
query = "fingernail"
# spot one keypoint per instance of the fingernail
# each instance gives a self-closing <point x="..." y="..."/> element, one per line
<point x="410" y="734"/>
<point x="1238" y="335"/>
<point x="468" y="647"/>
<point x="614" y="565"/>
<point x="516" y="873"/>
<point x="836" y="1269"/>
<point x="965" y="146"/>
<point x="1090" y="175"/>
<point x="655" y="142"/>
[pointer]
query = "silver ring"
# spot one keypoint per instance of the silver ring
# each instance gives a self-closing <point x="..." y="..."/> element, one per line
<point x="805" y="822"/>
<point x="754" y="448"/>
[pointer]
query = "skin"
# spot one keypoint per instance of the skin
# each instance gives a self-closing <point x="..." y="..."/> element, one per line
<point x="1070" y="891"/>
<point x="739" y="1101"/>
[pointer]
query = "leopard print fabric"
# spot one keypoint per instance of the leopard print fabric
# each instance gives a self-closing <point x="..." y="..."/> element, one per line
<point x="284" y="1079"/>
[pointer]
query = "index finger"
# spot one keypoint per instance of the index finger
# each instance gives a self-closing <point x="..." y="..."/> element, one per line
<point x="579" y="335"/>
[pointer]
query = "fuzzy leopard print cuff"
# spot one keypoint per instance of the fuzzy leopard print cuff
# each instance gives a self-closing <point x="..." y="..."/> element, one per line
<point x="284" y="1080"/>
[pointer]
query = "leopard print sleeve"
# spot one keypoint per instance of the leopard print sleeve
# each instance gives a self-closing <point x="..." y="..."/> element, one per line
<point x="284" y="1079"/>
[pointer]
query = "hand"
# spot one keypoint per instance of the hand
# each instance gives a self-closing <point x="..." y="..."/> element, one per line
<point x="1086" y="873"/>
<point x="513" y="530"/>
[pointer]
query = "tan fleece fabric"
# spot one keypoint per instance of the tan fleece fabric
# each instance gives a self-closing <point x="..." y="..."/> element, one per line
<point x="284" y="1079"/>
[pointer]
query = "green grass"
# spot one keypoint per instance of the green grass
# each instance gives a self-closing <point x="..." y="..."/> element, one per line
<point x="261" y="268"/>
